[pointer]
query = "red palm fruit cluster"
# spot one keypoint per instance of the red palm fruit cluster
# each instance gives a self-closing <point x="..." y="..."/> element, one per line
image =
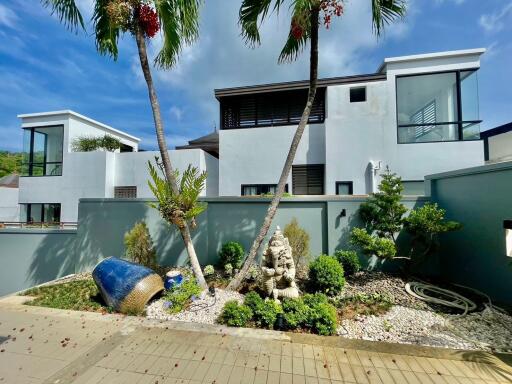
<point x="331" y="8"/>
<point x="148" y="20"/>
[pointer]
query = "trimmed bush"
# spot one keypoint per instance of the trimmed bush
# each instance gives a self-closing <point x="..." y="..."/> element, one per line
<point x="326" y="275"/>
<point x="264" y="311"/>
<point x="139" y="246"/>
<point x="235" y="315"/>
<point x="349" y="260"/>
<point x="295" y="313"/>
<point x="208" y="270"/>
<point x="253" y="300"/>
<point x="323" y="319"/>
<point x="232" y="253"/>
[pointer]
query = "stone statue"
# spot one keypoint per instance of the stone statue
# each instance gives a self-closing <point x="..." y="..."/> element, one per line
<point x="278" y="268"/>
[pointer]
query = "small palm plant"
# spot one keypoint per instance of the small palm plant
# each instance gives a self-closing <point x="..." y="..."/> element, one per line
<point x="182" y="206"/>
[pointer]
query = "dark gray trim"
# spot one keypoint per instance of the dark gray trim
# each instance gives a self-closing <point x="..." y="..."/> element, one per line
<point x="350" y="187"/>
<point x="291" y="85"/>
<point x="496" y="131"/>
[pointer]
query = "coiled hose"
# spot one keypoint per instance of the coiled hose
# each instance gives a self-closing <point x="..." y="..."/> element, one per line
<point x="436" y="295"/>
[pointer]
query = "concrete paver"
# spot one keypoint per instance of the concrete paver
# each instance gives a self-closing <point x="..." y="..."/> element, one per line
<point x="43" y="346"/>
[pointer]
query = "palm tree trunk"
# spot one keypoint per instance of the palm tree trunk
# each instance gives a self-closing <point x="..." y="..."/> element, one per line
<point x="162" y="145"/>
<point x="272" y="209"/>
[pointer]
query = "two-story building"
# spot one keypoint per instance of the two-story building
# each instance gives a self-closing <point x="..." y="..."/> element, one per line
<point x="417" y="114"/>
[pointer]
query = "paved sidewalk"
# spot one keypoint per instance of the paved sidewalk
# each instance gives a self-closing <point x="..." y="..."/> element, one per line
<point x="41" y="345"/>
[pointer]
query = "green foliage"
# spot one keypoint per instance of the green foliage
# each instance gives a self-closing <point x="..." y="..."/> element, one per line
<point x="314" y="299"/>
<point x="326" y="275"/>
<point x="232" y="253"/>
<point x="310" y="312"/>
<point x="264" y="311"/>
<point x="298" y="239"/>
<point x="208" y="270"/>
<point x="78" y="295"/>
<point x="323" y="319"/>
<point x="10" y="162"/>
<point x="235" y="315"/>
<point x="253" y="300"/>
<point x="365" y="304"/>
<point x="295" y="313"/>
<point x="181" y="206"/>
<point x="139" y="246"/>
<point x="90" y="143"/>
<point x="179" y="297"/>
<point x="349" y="260"/>
<point x="373" y="245"/>
<point x="426" y="223"/>
<point x="228" y="269"/>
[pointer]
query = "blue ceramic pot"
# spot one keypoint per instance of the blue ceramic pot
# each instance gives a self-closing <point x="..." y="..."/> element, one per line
<point x="126" y="286"/>
<point x="173" y="279"/>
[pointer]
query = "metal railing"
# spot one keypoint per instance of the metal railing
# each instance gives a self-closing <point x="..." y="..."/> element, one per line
<point x="38" y="225"/>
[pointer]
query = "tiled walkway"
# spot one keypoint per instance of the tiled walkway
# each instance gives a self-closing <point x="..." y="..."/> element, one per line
<point x="46" y="346"/>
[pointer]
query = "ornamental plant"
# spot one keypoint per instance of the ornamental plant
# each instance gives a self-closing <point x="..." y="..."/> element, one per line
<point x="93" y="143"/>
<point x="139" y="246"/>
<point x="299" y="241"/>
<point x="235" y="315"/>
<point x="326" y="275"/>
<point x="232" y="253"/>
<point x="349" y="260"/>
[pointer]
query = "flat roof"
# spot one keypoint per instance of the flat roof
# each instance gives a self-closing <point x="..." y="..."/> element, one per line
<point x="82" y="117"/>
<point x="302" y="84"/>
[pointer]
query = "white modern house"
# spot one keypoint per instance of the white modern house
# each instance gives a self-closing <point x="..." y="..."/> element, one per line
<point x="54" y="177"/>
<point x="417" y="114"/>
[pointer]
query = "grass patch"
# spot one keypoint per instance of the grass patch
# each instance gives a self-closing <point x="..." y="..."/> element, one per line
<point x="362" y="304"/>
<point x="78" y="295"/>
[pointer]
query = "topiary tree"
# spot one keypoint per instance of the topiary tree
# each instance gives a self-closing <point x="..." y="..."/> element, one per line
<point x="232" y="253"/>
<point x="139" y="246"/>
<point x="326" y="275"/>
<point x="349" y="260"/>
<point x="299" y="241"/>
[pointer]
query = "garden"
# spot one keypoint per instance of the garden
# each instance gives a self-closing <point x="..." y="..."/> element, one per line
<point x="292" y="291"/>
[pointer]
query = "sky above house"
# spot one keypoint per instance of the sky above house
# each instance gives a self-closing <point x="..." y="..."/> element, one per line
<point x="45" y="67"/>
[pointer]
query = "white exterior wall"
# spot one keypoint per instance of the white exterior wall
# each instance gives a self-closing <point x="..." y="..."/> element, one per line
<point x="500" y="147"/>
<point x="257" y="155"/>
<point x="9" y="208"/>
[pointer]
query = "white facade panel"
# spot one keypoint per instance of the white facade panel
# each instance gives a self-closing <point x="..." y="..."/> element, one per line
<point x="9" y="208"/>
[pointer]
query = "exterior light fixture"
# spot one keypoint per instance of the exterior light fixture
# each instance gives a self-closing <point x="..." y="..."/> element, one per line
<point x="211" y="290"/>
<point x="279" y="322"/>
<point x="507" y="224"/>
<point x="343" y="213"/>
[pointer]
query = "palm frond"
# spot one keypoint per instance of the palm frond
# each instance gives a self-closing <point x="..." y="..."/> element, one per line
<point x="106" y="33"/>
<point x="179" y="20"/>
<point x="67" y="12"/>
<point x="385" y="12"/>
<point x="293" y="46"/>
<point x="251" y="13"/>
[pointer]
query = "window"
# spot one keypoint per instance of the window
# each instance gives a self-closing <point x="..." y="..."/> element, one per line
<point x="126" y="148"/>
<point x="260" y="189"/>
<point x="308" y="179"/>
<point x="358" y="94"/>
<point x="438" y="107"/>
<point x="42" y="151"/>
<point x="344" y="188"/>
<point x="270" y="109"/>
<point x="125" y="192"/>
<point x="40" y="213"/>
<point x="413" y="187"/>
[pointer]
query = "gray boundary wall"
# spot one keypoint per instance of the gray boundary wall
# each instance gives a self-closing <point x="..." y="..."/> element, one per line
<point x="481" y="199"/>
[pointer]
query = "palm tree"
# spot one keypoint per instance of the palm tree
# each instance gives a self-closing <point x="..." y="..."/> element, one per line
<point x="304" y="26"/>
<point x="179" y="24"/>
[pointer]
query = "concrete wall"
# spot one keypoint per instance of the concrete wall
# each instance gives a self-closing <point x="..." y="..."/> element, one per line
<point x="9" y="208"/>
<point x="479" y="198"/>
<point x="32" y="257"/>
<point x="500" y="147"/>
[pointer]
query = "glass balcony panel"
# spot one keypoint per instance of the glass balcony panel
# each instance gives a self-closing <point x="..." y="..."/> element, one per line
<point x="469" y="96"/>
<point x="428" y="133"/>
<point x="471" y="131"/>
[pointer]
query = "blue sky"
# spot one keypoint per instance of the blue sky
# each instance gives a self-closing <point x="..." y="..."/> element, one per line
<point x="45" y="67"/>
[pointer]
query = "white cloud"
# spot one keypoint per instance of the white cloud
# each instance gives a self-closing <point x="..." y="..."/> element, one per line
<point x="7" y="17"/>
<point x="176" y="112"/>
<point x="458" y="2"/>
<point x="493" y="22"/>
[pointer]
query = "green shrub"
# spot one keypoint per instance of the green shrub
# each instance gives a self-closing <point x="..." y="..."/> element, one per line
<point x="295" y="313"/>
<point x="208" y="270"/>
<point x="349" y="260"/>
<point x="264" y="311"/>
<point x="179" y="297"/>
<point x="139" y="246"/>
<point x="313" y="299"/>
<point x="232" y="253"/>
<point x="373" y="245"/>
<point x="228" y="269"/>
<point x="92" y="143"/>
<point x="299" y="241"/>
<point x="253" y="300"/>
<point x="326" y="275"/>
<point x="323" y="319"/>
<point x="235" y="315"/>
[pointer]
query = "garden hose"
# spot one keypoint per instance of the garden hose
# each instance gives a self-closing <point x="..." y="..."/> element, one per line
<point x="433" y="294"/>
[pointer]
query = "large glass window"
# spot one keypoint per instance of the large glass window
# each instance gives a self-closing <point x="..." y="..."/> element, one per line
<point x="42" y="151"/>
<point x="260" y="189"/>
<point x="438" y="107"/>
<point x="40" y="213"/>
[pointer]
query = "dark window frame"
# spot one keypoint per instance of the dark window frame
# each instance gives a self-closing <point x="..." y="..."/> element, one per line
<point x="460" y="123"/>
<point x="350" y="187"/>
<point x="29" y="212"/>
<point x="31" y="153"/>
<point x="124" y="189"/>
<point x="354" y="98"/>
<point x="260" y="186"/>
<point x="276" y="117"/>
<point x="308" y="186"/>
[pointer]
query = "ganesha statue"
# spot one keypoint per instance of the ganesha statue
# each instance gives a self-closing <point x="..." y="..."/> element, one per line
<point x="278" y="268"/>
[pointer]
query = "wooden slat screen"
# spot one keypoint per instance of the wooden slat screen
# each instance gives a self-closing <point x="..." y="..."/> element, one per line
<point x="308" y="179"/>
<point x="270" y="109"/>
<point x="126" y="192"/>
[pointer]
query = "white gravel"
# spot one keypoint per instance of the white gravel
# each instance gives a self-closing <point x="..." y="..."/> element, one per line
<point x="204" y="310"/>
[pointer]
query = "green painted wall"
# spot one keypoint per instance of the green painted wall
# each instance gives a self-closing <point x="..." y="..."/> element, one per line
<point x="33" y="256"/>
<point x="480" y="198"/>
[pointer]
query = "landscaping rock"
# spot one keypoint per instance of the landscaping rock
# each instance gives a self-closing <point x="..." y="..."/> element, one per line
<point x="205" y="309"/>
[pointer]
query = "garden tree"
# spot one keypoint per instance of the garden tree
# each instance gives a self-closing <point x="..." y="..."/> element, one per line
<point x="10" y="162"/>
<point x="384" y="218"/>
<point x="178" y="22"/>
<point x="305" y="21"/>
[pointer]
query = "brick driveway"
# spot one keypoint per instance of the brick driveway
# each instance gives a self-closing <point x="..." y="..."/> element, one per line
<point x="50" y="346"/>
